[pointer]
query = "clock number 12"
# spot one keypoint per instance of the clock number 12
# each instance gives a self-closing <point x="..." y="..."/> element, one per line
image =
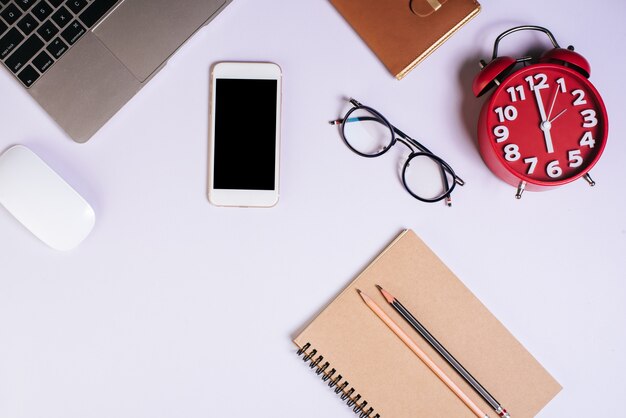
<point x="542" y="81"/>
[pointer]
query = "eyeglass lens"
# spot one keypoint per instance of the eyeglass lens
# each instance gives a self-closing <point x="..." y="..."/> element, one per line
<point x="366" y="132"/>
<point x="425" y="177"/>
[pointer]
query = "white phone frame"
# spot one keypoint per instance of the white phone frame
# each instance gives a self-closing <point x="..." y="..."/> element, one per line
<point x="253" y="71"/>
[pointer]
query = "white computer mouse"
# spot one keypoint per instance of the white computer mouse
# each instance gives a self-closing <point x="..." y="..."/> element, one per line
<point x="42" y="201"/>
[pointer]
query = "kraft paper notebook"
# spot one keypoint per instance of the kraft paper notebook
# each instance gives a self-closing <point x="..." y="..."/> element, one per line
<point x="404" y="32"/>
<point x="355" y="353"/>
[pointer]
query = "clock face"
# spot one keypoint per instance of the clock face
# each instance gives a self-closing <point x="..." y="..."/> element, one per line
<point x="547" y="124"/>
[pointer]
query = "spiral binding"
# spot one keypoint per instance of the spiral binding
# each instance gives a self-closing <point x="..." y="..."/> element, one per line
<point x="336" y="383"/>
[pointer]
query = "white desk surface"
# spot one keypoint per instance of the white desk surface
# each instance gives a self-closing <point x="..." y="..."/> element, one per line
<point x="175" y="308"/>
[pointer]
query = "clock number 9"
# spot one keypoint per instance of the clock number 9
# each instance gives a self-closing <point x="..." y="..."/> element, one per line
<point x="511" y="152"/>
<point x="553" y="170"/>
<point x="509" y="113"/>
<point x="501" y="132"/>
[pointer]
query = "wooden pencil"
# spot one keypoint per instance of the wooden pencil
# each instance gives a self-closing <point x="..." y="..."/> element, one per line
<point x="422" y="356"/>
<point x="434" y="343"/>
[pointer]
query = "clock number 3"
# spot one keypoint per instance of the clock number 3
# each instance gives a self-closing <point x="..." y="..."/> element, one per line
<point x="590" y="118"/>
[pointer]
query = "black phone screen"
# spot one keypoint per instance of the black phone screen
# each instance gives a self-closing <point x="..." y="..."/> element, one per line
<point x="245" y="134"/>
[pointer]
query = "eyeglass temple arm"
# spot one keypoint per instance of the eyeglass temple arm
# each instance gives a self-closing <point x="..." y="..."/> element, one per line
<point x="354" y="103"/>
<point x="353" y="119"/>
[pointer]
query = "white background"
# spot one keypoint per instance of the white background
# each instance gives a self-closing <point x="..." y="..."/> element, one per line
<point x="175" y="308"/>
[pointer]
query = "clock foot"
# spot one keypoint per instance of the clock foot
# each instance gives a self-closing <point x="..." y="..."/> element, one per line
<point x="589" y="180"/>
<point x="520" y="189"/>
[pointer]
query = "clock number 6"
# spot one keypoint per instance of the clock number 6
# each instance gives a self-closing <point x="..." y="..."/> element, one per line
<point x="509" y="113"/>
<point x="553" y="170"/>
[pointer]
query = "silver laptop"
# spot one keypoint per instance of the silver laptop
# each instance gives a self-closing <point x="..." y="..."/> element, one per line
<point x="82" y="60"/>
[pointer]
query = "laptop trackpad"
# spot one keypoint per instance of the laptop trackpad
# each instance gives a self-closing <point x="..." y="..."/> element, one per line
<point x="144" y="33"/>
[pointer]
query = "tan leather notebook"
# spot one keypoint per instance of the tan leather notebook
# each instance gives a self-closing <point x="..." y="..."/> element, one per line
<point x="379" y="372"/>
<point x="404" y="32"/>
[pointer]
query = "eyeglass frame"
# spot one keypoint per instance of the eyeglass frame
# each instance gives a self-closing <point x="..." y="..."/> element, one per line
<point x="398" y="136"/>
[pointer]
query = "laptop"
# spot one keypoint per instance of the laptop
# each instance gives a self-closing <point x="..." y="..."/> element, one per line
<point x="82" y="60"/>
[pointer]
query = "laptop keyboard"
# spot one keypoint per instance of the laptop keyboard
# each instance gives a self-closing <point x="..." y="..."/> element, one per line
<point x="34" y="34"/>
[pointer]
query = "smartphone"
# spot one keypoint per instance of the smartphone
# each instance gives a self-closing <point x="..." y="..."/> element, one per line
<point x="244" y="149"/>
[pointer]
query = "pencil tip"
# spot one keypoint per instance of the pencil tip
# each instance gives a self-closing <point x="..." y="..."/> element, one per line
<point x="362" y="295"/>
<point x="388" y="297"/>
<point x="378" y="287"/>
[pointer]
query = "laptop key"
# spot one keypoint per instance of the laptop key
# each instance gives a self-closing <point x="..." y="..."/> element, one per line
<point x="76" y="5"/>
<point x="95" y="11"/>
<point x="56" y="3"/>
<point x="62" y="17"/>
<point x="28" y="76"/>
<point x="74" y="31"/>
<point x="11" y="13"/>
<point x="25" y="4"/>
<point x="57" y="48"/>
<point x="42" y="10"/>
<point x="43" y="61"/>
<point x="9" y="41"/>
<point x="24" y="53"/>
<point x="27" y="24"/>
<point x="47" y="31"/>
<point x="3" y="27"/>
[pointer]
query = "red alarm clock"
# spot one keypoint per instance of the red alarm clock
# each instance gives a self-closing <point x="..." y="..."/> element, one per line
<point x="545" y="124"/>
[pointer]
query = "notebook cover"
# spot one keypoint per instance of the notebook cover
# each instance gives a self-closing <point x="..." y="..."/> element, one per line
<point x="393" y="380"/>
<point x="404" y="32"/>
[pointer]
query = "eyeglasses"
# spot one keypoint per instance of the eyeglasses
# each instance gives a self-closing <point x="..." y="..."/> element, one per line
<point x="368" y="133"/>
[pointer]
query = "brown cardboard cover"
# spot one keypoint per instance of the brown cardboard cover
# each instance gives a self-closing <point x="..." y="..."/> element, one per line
<point x="399" y="37"/>
<point x="389" y="376"/>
